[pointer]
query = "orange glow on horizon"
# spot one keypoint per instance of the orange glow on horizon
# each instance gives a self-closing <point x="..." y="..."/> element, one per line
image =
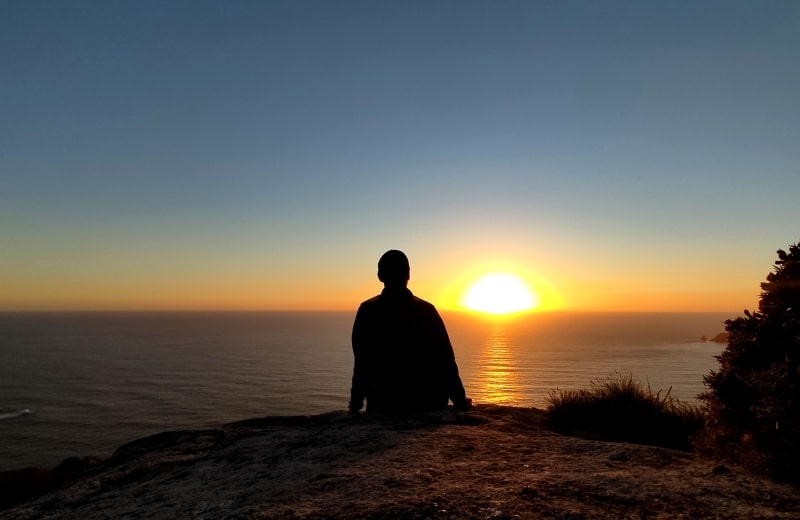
<point x="444" y="283"/>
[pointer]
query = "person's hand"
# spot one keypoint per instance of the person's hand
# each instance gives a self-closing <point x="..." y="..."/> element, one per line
<point x="355" y="405"/>
<point x="466" y="405"/>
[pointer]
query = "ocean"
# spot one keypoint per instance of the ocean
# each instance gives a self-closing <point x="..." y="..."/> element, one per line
<point x="77" y="384"/>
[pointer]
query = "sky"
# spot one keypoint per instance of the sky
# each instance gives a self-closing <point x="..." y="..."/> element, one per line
<point x="617" y="156"/>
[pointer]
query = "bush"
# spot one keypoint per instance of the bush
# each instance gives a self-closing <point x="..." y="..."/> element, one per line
<point x="620" y="409"/>
<point x="753" y="399"/>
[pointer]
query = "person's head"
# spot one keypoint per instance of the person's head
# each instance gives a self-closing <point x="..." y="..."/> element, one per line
<point x="393" y="269"/>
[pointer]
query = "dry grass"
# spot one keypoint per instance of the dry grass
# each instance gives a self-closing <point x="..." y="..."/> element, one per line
<point x="618" y="408"/>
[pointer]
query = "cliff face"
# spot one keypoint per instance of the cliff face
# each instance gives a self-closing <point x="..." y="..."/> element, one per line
<point x="492" y="462"/>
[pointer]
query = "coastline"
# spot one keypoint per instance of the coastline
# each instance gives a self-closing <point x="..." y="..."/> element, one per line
<point x="490" y="462"/>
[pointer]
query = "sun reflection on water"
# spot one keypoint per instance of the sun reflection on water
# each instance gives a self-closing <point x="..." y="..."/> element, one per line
<point x="497" y="378"/>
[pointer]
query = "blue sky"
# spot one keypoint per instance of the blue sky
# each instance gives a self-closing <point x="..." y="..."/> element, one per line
<point x="263" y="154"/>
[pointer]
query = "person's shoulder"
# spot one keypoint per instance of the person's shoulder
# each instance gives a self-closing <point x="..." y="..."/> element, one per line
<point x="423" y="304"/>
<point x="371" y="302"/>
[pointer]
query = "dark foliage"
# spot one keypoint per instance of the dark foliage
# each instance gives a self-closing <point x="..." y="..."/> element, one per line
<point x="753" y="399"/>
<point x="621" y="409"/>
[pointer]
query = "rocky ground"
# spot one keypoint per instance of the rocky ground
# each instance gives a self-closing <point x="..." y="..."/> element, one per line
<point x="490" y="463"/>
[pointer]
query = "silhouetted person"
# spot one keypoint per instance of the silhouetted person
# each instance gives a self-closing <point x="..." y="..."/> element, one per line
<point x="404" y="361"/>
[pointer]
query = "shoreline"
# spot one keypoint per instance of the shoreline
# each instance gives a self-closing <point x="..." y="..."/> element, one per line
<point x="491" y="462"/>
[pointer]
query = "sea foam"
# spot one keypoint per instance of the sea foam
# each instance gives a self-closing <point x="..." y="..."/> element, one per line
<point x="10" y="414"/>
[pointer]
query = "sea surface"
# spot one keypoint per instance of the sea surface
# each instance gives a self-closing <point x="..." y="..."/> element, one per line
<point x="76" y="384"/>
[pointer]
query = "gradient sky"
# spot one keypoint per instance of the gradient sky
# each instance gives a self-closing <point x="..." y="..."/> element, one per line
<point x="262" y="155"/>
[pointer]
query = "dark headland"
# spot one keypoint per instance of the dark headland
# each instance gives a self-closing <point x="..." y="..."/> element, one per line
<point x="492" y="462"/>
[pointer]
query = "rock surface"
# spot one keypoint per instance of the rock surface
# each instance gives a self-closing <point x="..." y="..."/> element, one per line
<point x="490" y="463"/>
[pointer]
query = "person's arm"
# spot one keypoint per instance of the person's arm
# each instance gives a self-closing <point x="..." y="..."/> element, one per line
<point x="358" y="388"/>
<point x="455" y="388"/>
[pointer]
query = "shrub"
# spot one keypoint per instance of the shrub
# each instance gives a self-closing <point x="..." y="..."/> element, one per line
<point x="620" y="409"/>
<point x="753" y="399"/>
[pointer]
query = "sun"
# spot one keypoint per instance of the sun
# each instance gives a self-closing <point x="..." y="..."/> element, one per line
<point x="499" y="293"/>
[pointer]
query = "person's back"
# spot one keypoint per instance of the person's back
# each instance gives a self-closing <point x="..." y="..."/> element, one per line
<point x="404" y="361"/>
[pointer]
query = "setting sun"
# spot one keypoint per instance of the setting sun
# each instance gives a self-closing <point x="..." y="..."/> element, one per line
<point x="499" y="293"/>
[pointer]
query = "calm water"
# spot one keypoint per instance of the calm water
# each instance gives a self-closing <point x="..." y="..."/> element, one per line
<point x="84" y="383"/>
